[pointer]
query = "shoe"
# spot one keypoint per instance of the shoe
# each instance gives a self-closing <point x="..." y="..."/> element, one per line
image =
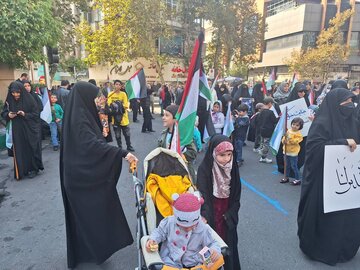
<point x="240" y="163"/>
<point x="284" y="180"/>
<point x="151" y="130"/>
<point x="296" y="182"/>
<point x="136" y="121"/>
<point x="55" y="148"/>
<point x="256" y="150"/>
<point x="265" y="160"/>
<point x="152" y="117"/>
<point x="32" y="174"/>
<point x="144" y="131"/>
<point x="131" y="149"/>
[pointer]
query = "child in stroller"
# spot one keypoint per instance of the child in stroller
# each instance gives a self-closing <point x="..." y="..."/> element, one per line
<point x="184" y="234"/>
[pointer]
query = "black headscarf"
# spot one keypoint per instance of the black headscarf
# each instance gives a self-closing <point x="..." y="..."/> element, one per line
<point x="257" y="94"/>
<point x="25" y="131"/>
<point x="339" y="84"/>
<point x="294" y="93"/>
<point x="96" y="226"/>
<point x="205" y="186"/>
<point x="35" y="97"/>
<point x="331" y="237"/>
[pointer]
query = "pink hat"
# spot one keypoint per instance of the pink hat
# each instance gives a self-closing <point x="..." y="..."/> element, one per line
<point x="187" y="208"/>
<point x="223" y="147"/>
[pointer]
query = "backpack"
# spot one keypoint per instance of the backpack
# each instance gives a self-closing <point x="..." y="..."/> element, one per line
<point x="117" y="111"/>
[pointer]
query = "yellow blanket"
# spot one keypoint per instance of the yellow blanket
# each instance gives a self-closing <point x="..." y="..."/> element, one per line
<point x="162" y="188"/>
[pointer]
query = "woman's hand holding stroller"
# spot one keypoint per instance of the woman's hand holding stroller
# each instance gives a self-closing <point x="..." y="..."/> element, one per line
<point x="151" y="246"/>
<point x="131" y="158"/>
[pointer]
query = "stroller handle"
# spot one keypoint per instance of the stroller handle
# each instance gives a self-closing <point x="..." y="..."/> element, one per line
<point x="133" y="167"/>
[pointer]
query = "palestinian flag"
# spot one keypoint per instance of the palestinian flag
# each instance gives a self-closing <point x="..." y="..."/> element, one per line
<point x="187" y="111"/>
<point x="46" y="113"/>
<point x="205" y="91"/>
<point x="135" y="87"/>
<point x="229" y="124"/>
<point x="294" y="81"/>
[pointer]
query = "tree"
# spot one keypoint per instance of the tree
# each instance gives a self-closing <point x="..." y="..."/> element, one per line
<point x="330" y="50"/>
<point x="129" y="30"/>
<point x="237" y="35"/>
<point x="26" y="27"/>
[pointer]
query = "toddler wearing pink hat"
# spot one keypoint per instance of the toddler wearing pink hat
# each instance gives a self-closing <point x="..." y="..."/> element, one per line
<point x="184" y="234"/>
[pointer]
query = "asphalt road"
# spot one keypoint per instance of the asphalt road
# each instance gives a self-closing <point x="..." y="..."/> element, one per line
<point x="32" y="229"/>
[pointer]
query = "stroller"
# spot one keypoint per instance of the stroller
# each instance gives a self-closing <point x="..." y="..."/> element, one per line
<point x="162" y="162"/>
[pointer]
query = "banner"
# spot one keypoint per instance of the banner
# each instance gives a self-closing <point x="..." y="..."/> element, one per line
<point x="298" y="108"/>
<point x="341" y="178"/>
<point x="249" y="103"/>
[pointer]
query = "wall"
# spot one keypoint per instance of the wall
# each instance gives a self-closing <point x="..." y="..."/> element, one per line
<point x="125" y="70"/>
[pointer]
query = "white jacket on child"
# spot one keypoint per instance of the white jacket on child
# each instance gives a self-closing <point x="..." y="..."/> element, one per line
<point x="218" y="120"/>
<point x="179" y="248"/>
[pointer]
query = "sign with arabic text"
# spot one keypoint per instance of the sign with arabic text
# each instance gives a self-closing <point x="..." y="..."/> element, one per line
<point x="298" y="108"/>
<point x="341" y="178"/>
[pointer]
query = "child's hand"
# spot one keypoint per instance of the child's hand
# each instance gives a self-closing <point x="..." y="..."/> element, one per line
<point x="214" y="255"/>
<point x="204" y="219"/>
<point x="151" y="246"/>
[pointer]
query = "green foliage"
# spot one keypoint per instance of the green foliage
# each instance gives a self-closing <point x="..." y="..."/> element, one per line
<point x="330" y="50"/>
<point x="73" y="65"/>
<point x="26" y="26"/>
<point x="238" y="33"/>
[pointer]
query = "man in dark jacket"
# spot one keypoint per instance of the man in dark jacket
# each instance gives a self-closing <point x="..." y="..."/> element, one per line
<point x="62" y="93"/>
<point x="267" y="122"/>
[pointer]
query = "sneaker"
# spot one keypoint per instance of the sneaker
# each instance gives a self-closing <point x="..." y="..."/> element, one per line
<point x="296" y="182"/>
<point x="55" y="148"/>
<point x="256" y="150"/>
<point x="265" y="160"/>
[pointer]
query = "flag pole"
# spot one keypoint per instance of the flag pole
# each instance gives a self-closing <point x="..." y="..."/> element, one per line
<point x="285" y="133"/>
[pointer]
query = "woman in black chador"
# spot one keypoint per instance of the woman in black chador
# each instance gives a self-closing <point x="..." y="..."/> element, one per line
<point x="21" y="109"/>
<point x="96" y="226"/>
<point x="333" y="237"/>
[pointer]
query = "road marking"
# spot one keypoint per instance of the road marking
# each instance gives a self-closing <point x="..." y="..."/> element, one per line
<point x="273" y="202"/>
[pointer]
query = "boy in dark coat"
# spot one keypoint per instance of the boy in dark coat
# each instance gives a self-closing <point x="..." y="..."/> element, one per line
<point x="266" y="122"/>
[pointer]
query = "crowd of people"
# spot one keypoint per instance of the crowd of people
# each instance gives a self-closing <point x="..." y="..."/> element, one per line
<point x="90" y="167"/>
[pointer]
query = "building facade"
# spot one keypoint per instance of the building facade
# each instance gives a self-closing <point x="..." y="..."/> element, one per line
<point x="295" y="25"/>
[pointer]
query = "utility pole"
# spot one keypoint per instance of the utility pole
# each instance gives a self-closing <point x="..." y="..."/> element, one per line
<point x="46" y="69"/>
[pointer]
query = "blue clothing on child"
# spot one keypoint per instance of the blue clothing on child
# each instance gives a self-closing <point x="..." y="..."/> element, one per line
<point x="179" y="248"/>
<point x="197" y="139"/>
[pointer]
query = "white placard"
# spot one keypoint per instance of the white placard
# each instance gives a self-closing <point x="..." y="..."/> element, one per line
<point x="298" y="108"/>
<point x="341" y="178"/>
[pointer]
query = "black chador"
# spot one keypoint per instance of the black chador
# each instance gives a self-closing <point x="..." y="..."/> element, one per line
<point x="25" y="131"/>
<point x="96" y="226"/>
<point x="332" y="237"/>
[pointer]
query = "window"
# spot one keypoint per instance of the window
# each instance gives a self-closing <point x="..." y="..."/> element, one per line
<point x="172" y="4"/>
<point x="298" y="40"/>
<point x="355" y="43"/>
<point x="277" y="6"/>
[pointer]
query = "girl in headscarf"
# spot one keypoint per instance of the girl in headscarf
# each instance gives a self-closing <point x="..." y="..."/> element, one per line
<point x="218" y="181"/>
<point x="282" y="93"/>
<point x="96" y="226"/>
<point x="332" y="237"/>
<point x="20" y="108"/>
